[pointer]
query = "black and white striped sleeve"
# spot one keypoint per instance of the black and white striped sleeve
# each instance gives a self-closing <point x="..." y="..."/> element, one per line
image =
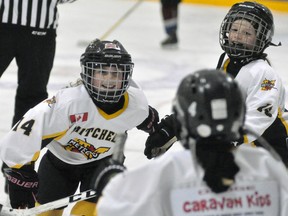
<point x="39" y="14"/>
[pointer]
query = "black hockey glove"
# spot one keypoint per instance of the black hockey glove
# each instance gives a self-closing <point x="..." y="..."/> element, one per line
<point x="22" y="187"/>
<point x="104" y="173"/>
<point x="162" y="139"/>
<point x="148" y="125"/>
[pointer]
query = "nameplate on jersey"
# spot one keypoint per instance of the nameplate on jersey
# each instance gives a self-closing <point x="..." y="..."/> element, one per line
<point x="244" y="199"/>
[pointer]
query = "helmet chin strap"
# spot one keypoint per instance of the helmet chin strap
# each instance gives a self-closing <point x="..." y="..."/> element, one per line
<point x="242" y="61"/>
<point x="220" y="61"/>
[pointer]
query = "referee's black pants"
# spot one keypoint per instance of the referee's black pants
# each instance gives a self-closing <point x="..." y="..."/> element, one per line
<point x="34" y="52"/>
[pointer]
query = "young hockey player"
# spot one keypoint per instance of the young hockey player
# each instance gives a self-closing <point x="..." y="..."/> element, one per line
<point x="245" y="33"/>
<point x="78" y="126"/>
<point x="210" y="176"/>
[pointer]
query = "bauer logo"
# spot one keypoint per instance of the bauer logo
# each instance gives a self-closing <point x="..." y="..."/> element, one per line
<point x="112" y="56"/>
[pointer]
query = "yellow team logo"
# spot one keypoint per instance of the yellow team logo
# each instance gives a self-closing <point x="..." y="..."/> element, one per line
<point x="50" y="101"/>
<point x="85" y="148"/>
<point x="267" y="85"/>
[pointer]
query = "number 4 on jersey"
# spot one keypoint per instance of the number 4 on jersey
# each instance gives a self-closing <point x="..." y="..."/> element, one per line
<point x="26" y="126"/>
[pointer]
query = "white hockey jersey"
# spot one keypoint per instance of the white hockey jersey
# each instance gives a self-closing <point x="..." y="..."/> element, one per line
<point x="264" y="94"/>
<point x="173" y="185"/>
<point x="71" y="127"/>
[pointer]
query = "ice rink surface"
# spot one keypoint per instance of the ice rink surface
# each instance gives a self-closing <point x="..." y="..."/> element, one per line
<point x="158" y="71"/>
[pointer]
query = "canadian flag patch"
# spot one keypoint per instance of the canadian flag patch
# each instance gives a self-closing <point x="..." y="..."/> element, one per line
<point x="80" y="117"/>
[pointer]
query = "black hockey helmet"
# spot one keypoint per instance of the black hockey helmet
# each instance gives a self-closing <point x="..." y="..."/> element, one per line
<point x="209" y="105"/>
<point x="260" y="17"/>
<point x="104" y="57"/>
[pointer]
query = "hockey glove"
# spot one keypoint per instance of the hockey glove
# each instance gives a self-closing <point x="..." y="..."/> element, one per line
<point x="240" y="141"/>
<point x="104" y="173"/>
<point x="22" y="187"/>
<point x="162" y="139"/>
<point x="148" y="125"/>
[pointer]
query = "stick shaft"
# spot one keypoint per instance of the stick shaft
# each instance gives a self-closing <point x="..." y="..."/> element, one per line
<point x="118" y="154"/>
<point x="115" y="25"/>
<point x="7" y="211"/>
<point x="121" y="19"/>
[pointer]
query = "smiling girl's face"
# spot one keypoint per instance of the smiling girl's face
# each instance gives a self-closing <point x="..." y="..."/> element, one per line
<point x="109" y="78"/>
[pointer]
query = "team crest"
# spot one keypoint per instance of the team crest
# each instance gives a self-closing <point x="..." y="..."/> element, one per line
<point x="267" y="85"/>
<point x="80" y="117"/>
<point x="51" y="101"/>
<point x="85" y="148"/>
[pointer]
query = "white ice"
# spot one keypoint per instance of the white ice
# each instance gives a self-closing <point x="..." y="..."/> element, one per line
<point x="158" y="71"/>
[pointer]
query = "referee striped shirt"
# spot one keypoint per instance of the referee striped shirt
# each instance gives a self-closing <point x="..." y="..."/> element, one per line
<point x="40" y="14"/>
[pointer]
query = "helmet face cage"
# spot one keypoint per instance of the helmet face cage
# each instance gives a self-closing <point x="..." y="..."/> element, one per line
<point x="244" y="22"/>
<point x="106" y="82"/>
<point x="106" y="70"/>
<point x="209" y="104"/>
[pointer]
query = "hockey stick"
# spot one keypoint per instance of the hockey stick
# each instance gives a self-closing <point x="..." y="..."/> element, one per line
<point x="117" y="156"/>
<point x="6" y="211"/>
<point x="156" y="152"/>
<point x="264" y="143"/>
<point x="115" y="25"/>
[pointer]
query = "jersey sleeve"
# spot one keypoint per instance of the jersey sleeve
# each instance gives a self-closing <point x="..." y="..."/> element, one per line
<point x="24" y="141"/>
<point x="262" y="90"/>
